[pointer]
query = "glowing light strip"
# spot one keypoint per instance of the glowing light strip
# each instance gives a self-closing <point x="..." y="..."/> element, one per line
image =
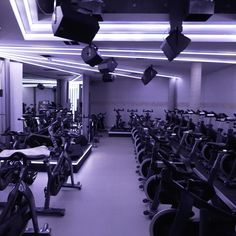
<point x="140" y="37"/>
<point x="25" y="80"/>
<point x="73" y="163"/>
<point x="128" y="36"/>
<point x="124" y="75"/>
<point x="9" y="56"/>
<point x="35" y="85"/>
<point x="29" y="85"/>
<point x="53" y="63"/>
<point x="150" y="58"/>
<point x="76" y="78"/>
<point x="18" y="17"/>
<point x="176" y="59"/>
<point x="41" y="52"/>
<point x="153" y="26"/>
<point x="140" y="72"/>
<point x="75" y="67"/>
<point x="78" y="50"/>
<point x="95" y="70"/>
<point x="144" y="57"/>
<point x="28" y="13"/>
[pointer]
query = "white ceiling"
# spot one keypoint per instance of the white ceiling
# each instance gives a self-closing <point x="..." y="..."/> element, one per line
<point x="134" y="48"/>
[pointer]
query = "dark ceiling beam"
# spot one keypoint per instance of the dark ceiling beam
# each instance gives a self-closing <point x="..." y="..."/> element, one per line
<point x="142" y="6"/>
<point x="159" y="6"/>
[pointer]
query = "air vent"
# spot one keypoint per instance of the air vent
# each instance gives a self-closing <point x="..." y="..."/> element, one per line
<point x="63" y="74"/>
<point x="47" y="69"/>
<point x="71" y="43"/>
<point x="46" y="56"/>
<point x="135" y="74"/>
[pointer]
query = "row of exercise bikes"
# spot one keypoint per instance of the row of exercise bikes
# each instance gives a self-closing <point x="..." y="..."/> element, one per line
<point x="56" y="151"/>
<point x="187" y="170"/>
<point x="121" y="125"/>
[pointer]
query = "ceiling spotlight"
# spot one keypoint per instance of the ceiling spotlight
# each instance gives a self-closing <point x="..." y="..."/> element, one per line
<point x="90" y="55"/>
<point x="199" y="10"/>
<point x="148" y="75"/>
<point x="174" y="44"/>
<point x="108" y="65"/>
<point x="40" y="86"/>
<point x="69" y="23"/>
<point x="108" y="78"/>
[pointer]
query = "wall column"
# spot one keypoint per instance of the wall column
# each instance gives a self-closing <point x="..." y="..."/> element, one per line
<point x="62" y="93"/>
<point x="196" y="86"/>
<point x="85" y="105"/>
<point x="11" y="108"/>
<point x="3" y="98"/>
<point x="16" y="95"/>
<point x="58" y="93"/>
<point x="172" y="96"/>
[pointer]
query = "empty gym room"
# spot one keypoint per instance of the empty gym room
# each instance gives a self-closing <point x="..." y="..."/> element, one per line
<point x="118" y="118"/>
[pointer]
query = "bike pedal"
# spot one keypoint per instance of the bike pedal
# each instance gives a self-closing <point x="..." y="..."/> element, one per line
<point x="145" y="200"/>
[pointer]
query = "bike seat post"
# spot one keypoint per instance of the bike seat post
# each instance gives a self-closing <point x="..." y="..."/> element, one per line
<point x="215" y="168"/>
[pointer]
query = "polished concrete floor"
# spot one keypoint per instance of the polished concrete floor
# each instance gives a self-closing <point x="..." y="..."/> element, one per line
<point x="110" y="202"/>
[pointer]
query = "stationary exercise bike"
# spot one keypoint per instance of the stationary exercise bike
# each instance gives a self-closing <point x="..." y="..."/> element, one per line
<point x="20" y="207"/>
<point x="132" y="117"/>
<point x="216" y="218"/>
<point x="58" y="175"/>
<point x="120" y="124"/>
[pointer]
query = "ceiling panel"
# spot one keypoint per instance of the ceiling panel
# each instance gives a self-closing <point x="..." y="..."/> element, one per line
<point x="137" y="61"/>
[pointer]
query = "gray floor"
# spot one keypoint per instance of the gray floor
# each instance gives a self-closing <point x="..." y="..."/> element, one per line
<point x="110" y="202"/>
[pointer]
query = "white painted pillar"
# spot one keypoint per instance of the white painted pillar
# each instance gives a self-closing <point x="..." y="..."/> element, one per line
<point x="11" y="74"/>
<point x="85" y="104"/>
<point x="16" y="95"/>
<point x="62" y="93"/>
<point x="172" y="96"/>
<point x="3" y="124"/>
<point x="196" y="86"/>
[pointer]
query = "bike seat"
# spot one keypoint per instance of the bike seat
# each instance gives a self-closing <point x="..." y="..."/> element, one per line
<point x="36" y="153"/>
<point x="217" y="145"/>
<point x="197" y="135"/>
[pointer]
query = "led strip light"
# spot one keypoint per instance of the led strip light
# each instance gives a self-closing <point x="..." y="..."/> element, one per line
<point x="129" y="31"/>
<point x="35" y="62"/>
<point x="64" y="62"/>
<point x="73" y="163"/>
<point x="9" y="56"/>
<point x="75" y="51"/>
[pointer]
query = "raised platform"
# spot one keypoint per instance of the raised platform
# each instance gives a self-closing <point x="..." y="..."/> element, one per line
<point x="40" y="166"/>
<point x="119" y="133"/>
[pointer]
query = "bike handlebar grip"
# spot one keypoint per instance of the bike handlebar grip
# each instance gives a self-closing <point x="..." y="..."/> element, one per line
<point x="148" y="110"/>
<point x="136" y="110"/>
<point x="119" y="109"/>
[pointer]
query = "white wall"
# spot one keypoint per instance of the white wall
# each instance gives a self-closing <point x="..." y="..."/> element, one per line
<point x="128" y="94"/>
<point x="45" y="94"/>
<point x="183" y="91"/>
<point x="219" y="91"/>
<point x="28" y="96"/>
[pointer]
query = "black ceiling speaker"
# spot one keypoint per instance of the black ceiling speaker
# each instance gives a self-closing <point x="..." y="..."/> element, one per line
<point x="73" y="25"/>
<point x="108" y="65"/>
<point x="174" y="44"/>
<point x="148" y="75"/>
<point x="199" y="10"/>
<point x="40" y="86"/>
<point x="108" y="78"/>
<point x="90" y="55"/>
